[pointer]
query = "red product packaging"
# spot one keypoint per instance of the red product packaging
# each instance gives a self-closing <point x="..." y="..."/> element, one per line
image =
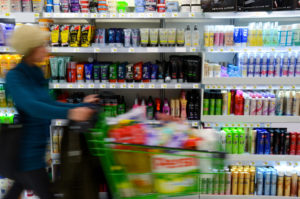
<point x="161" y="7"/>
<point x="239" y="104"/>
<point x="298" y="144"/>
<point x="293" y="143"/>
<point x="71" y="72"/>
<point x="232" y="105"/>
<point x="138" y="71"/>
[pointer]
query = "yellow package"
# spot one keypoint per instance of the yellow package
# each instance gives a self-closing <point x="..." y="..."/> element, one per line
<point x="86" y="35"/>
<point x="75" y="34"/>
<point x="54" y="35"/>
<point x="65" y="35"/>
<point x="5" y="61"/>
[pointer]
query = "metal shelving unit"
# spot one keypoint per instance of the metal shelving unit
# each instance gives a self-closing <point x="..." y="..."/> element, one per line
<point x="264" y="158"/>
<point x="244" y="197"/>
<point x="250" y="49"/>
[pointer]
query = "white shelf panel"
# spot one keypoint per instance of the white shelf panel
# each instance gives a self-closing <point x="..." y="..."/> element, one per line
<point x="8" y="110"/>
<point x="252" y="83"/>
<point x="264" y="158"/>
<point x="235" y="49"/>
<point x="125" y="85"/>
<point x="150" y="15"/>
<point x="21" y="17"/>
<point x="59" y="122"/>
<point x="202" y="196"/>
<point x="124" y="50"/>
<point x="246" y="121"/>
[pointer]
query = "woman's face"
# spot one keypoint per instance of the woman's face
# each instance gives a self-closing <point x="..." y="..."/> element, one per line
<point x="39" y="54"/>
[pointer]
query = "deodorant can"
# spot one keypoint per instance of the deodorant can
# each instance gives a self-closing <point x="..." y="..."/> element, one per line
<point x="273" y="182"/>
<point x="267" y="182"/>
<point x="228" y="183"/>
<point x="259" y="182"/>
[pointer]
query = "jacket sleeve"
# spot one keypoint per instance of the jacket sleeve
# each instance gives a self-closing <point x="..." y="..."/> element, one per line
<point x="25" y="101"/>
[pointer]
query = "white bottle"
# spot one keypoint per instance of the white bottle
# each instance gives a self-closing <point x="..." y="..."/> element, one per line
<point x="251" y="66"/>
<point x="285" y="66"/>
<point x="246" y="104"/>
<point x="277" y="72"/>
<point x="292" y="65"/>
<point x="272" y="105"/>
<point x="257" y="66"/>
<point x="264" y="68"/>
<point x="271" y="66"/>
<point x="196" y="37"/>
<point x="296" y="105"/>
<point x="253" y="104"/>
<point x="244" y="65"/>
<point x="188" y="36"/>
<point x="279" y="103"/>
<point x="259" y="104"/>
<point x="265" y="109"/>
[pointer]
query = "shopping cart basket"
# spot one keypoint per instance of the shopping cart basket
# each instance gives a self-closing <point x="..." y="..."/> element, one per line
<point x="140" y="172"/>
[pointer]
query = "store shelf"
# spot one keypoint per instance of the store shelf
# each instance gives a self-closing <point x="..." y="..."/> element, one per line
<point x="243" y="197"/>
<point x="21" y="17"/>
<point x="150" y="15"/>
<point x="124" y="85"/>
<point x="8" y="110"/>
<point x="264" y="158"/>
<point x="252" y="83"/>
<point x="124" y="50"/>
<point x="245" y="49"/>
<point x="246" y="121"/>
<point x="59" y="122"/>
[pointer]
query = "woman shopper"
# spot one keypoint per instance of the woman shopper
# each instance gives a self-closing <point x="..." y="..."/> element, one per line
<point x="28" y="89"/>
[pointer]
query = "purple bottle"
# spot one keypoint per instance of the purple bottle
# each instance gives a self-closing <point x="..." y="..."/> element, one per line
<point x="75" y="6"/>
<point x="166" y="107"/>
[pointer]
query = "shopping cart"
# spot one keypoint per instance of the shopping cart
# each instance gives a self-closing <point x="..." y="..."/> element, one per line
<point x="140" y="172"/>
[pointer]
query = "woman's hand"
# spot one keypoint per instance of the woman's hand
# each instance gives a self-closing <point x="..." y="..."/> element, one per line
<point x="80" y="114"/>
<point x="91" y="99"/>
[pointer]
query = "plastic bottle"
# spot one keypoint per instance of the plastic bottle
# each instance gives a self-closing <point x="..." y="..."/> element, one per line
<point x="183" y="104"/>
<point x="177" y="108"/>
<point x="228" y="39"/>
<point x="287" y="108"/>
<point x="206" y="36"/>
<point x="217" y="36"/>
<point x="259" y="182"/>
<point x="157" y="105"/>
<point x="285" y="66"/>
<point x="188" y="36"/>
<point x="113" y="73"/>
<point x="211" y="36"/>
<point x="259" y="38"/>
<point x="287" y="183"/>
<point x="273" y="182"/>
<point x="267" y="34"/>
<point x="136" y="103"/>
<point x="267" y="182"/>
<point x="271" y="66"/>
<point x="166" y="107"/>
<point x="212" y="104"/>
<point x="278" y="63"/>
<point x="197" y="106"/>
<point x="234" y="182"/>
<point x="150" y="109"/>
<point x="242" y="141"/>
<point x="296" y="104"/>
<point x="225" y="102"/>
<point x="252" y="34"/>
<point x="292" y="65"/>
<point x="196" y="37"/>
<point x="289" y="37"/>
<point x="264" y="68"/>
<point x="294" y="181"/>
<point x="239" y="103"/>
<point x="282" y="35"/>
<point x="138" y="72"/>
<point x="272" y="104"/>
<point x="218" y="104"/>
<point x="265" y="99"/>
<point x="259" y="104"/>
<point x="121" y="106"/>
<point x="257" y="67"/>
<point x="280" y="183"/>
<point x="246" y="104"/>
<point x="252" y="104"/>
<point x="275" y="34"/>
<point x="296" y="34"/>
<point x="206" y="101"/>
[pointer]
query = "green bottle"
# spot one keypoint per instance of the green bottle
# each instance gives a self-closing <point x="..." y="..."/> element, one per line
<point x="229" y="140"/>
<point x="114" y="107"/>
<point x="113" y="73"/>
<point x="235" y="141"/>
<point x="218" y="104"/>
<point x="206" y="103"/>
<point x="242" y="139"/>
<point x="121" y="106"/>
<point x="212" y="104"/>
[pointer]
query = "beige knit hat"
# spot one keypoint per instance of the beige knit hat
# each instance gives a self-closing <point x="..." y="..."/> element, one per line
<point x="27" y="37"/>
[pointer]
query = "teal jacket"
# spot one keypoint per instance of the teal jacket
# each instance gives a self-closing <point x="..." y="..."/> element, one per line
<point x="29" y="91"/>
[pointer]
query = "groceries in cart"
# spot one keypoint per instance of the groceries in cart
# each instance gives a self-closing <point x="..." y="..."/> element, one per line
<point x="154" y="158"/>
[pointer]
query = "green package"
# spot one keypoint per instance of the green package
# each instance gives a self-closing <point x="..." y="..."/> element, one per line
<point x="216" y="183"/>
<point x="219" y="104"/>
<point x="113" y="72"/>
<point x="221" y="182"/>
<point x="229" y="140"/>
<point x="206" y="103"/>
<point x="242" y="139"/>
<point x="54" y="69"/>
<point x="212" y="104"/>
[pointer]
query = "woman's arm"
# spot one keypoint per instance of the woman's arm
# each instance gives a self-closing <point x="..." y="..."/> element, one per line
<point x="25" y="101"/>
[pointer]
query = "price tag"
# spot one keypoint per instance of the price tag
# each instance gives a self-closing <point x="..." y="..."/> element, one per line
<point x="289" y="49"/>
<point x="268" y="125"/>
<point x="152" y="86"/>
<point x="278" y="163"/>
<point x="195" y="124"/>
<point x="289" y="163"/>
<point x="80" y="85"/>
<point x="141" y="14"/>
<point x="281" y="87"/>
<point x="175" y="14"/>
<point x="270" y="86"/>
<point x="131" y="50"/>
<point x="85" y="15"/>
<point x="258" y="125"/>
<point x="273" y="49"/>
<point x="226" y="125"/>
<point x="232" y="125"/>
<point x="150" y="15"/>
<point x="251" y="125"/>
<point x="103" y="15"/>
<point x="91" y="85"/>
<point x="239" y="163"/>
<point x="193" y="50"/>
<point x="254" y="87"/>
<point x="122" y="15"/>
<point x="113" y="15"/>
<point x="58" y="123"/>
<point x="130" y="15"/>
<point x="208" y="125"/>
<point x="164" y="86"/>
<point x="252" y="163"/>
<point x="178" y="86"/>
<point x="48" y="15"/>
<point x="231" y="49"/>
<point x="195" y="85"/>
<point x="102" y="85"/>
<point x="259" y="50"/>
<point x="238" y="125"/>
<point x="225" y="87"/>
<point x="5" y="111"/>
<point x="112" y="85"/>
<point x="293" y="86"/>
<point x="213" y="87"/>
<point x="234" y="87"/>
<point x="70" y="86"/>
<point x="208" y="87"/>
<point x="142" y="86"/>
<point x="94" y="15"/>
<point x="7" y="14"/>
<point x="76" y="15"/>
<point x="245" y="125"/>
<point x="245" y="49"/>
<point x="77" y="50"/>
<point x="12" y="111"/>
<point x="114" y="50"/>
<point x="162" y="15"/>
<point x="221" y="49"/>
<point x="131" y="85"/>
<point x="244" y="87"/>
<point x="97" y="50"/>
<point x="265" y="163"/>
<point x="296" y="164"/>
<point x="217" y="125"/>
<point x="211" y="50"/>
<point x="219" y="87"/>
<point x="192" y="14"/>
<point x="56" y="86"/>
<point x="54" y="49"/>
<point x="123" y="86"/>
<point x="37" y="15"/>
<point x="6" y="49"/>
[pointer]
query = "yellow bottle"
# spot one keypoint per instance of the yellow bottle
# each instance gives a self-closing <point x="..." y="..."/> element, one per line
<point x="247" y="183"/>
<point x="241" y="183"/>
<point x="260" y="35"/>
<point x="280" y="182"/>
<point x="206" y="36"/>
<point x="234" y="185"/>
<point x="252" y="181"/>
<point x="5" y="65"/>
<point x="211" y="36"/>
